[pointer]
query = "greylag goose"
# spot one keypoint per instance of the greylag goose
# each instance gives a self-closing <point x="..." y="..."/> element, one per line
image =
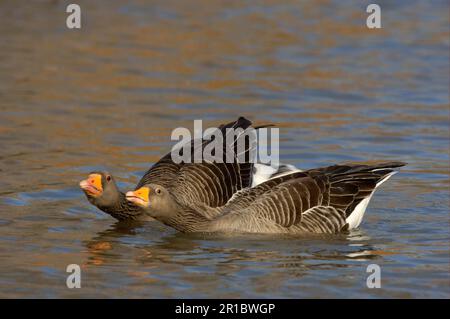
<point x="215" y="182"/>
<point x="325" y="200"/>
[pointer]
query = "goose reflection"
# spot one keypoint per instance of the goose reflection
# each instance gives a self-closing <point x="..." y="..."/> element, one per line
<point x="207" y="259"/>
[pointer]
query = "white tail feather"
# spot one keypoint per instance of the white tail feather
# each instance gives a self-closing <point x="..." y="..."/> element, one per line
<point x="356" y="216"/>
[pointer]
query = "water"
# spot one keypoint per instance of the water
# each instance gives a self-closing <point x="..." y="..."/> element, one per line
<point x="107" y="96"/>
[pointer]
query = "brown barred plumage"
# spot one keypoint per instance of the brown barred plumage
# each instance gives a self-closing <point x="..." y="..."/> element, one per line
<point x="315" y="201"/>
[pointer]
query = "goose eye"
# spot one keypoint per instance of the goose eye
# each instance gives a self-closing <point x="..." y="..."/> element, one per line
<point x="158" y="191"/>
<point x="108" y="178"/>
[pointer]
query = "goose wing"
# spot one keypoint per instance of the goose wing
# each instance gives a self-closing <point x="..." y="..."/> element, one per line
<point x="320" y="200"/>
<point x="210" y="183"/>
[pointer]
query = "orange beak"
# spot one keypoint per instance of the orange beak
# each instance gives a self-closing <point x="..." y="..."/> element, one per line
<point x="92" y="185"/>
<point x="139" y="197"/>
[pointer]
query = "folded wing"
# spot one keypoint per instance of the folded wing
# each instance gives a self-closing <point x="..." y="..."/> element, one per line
<point x="320" y="200"/>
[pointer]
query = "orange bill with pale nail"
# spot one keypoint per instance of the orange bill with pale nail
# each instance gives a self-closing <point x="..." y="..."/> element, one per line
<point x="92" y="185"/>
<point x="139" y="197"/>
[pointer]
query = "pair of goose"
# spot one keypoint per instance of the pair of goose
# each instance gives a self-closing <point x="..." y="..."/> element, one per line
<point x="242" y="197"/>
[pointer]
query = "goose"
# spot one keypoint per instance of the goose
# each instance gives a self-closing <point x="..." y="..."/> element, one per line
<point x="220" y="180"/>
<point x="325" y="200"/>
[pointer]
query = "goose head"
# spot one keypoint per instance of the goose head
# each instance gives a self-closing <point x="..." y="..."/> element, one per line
<point x="156" y="201"/>
<point x="100" y="189"/>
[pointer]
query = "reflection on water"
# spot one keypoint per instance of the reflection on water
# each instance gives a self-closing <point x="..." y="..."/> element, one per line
<point x="215" y="261"/>
<point x="107" y="97"/>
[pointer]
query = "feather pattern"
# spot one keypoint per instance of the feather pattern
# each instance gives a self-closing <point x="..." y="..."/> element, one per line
<point x="319" y="201"/>
<point x="210" y="183"/>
